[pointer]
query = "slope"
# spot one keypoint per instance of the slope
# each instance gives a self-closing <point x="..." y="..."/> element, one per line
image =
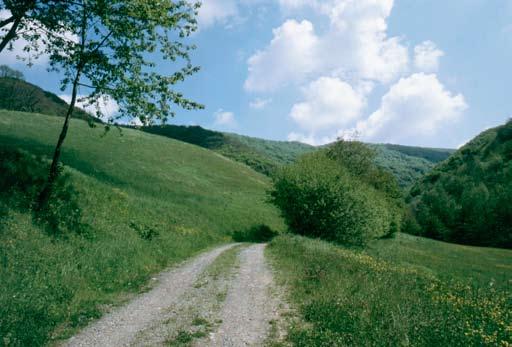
<point x="468" y="198"/>
<point x="146" y="202"/>
<point x="19" y="95"/>
<point x="407" y="164"/>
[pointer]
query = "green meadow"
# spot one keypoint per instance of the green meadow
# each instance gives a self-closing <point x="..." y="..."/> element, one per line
<point x="147" y="202"/>
<point x="404" y="291"/>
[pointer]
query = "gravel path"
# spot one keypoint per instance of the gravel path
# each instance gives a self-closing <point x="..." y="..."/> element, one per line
<point x="120" y="327"/>
<point x="250" y="306"/>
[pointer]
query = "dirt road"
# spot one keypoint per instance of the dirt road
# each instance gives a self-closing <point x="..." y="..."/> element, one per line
<point x="192" y="306"/>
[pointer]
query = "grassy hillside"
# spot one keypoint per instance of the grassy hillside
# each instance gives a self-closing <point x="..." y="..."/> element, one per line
<point x="19" y="95"/>
<point x="146" y="201"/>
<point x="261" y="155"/>
<point x="407" y="164"/>
<point x="406" y="291"/>
<point x="468" y="198"/>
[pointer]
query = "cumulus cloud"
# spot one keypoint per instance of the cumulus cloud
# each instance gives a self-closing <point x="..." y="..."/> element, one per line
<point x="426" y="56"/>
<point x="290" y="56"/>
<point x="106" y="105"/>
<point x="355" y="46"/>
<point x="329" y="102"/>
<point x="224" y="118"/>
<point x="259" y="103"/>
<point x="413" y="110"/>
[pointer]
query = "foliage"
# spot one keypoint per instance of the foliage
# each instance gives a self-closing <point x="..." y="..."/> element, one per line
<point x="338" y="194"/>
<point x="345" y="297"/>
<point x="192" y="197"/>
<point x="32" y="20"/>
<point x="18" y="95"/>
<point x="468" y="198"/>
<point x="256" y="233"/>
<point x="7" y="72"/>
<point x="21" y="178"/>
<point x="115" y="56"/>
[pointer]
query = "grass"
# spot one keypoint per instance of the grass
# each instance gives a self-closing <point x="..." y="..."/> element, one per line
<point x="390" y="296"/>
<point x="188" y="198"/>
<point x="223" y="264"/>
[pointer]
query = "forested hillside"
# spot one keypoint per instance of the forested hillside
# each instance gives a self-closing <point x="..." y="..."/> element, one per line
<point x="468" y="198"/>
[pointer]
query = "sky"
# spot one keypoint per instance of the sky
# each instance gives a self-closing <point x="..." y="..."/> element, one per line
<point x="431" y="73"/>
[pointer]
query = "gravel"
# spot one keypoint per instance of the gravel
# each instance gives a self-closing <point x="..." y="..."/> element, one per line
<point x="120" y="327"/>
<point x="250" y="306"/>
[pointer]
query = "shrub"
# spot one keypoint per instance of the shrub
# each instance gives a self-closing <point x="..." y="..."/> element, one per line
<point x="319" y="197"/>
<point x="257" y="233"/>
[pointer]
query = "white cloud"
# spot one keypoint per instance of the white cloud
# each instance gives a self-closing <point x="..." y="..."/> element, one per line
<point x="413" y="110"/>
<point x="216" y="11"/>
<point x="329" y="102"/>
<point x="290" y="56"/>
<point x="224" y="118"/>
<point x="355" y="46"/>
<point x="106" y="105"/>
<point x="426" y="56"/>
<point x="259" y="103"/>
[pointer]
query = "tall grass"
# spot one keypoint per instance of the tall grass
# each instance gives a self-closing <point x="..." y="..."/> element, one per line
<point x="347" y="297"/>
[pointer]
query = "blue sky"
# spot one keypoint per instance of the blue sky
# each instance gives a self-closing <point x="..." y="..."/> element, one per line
<point x="417" y="72"/>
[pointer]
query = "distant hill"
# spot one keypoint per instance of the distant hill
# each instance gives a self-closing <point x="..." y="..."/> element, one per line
<point x="263" y="156"/>
<point x="434" y="155"/>
<point x="406" y="163"/>
<point x="19" y="95"/>
<point x="468" y="198"/>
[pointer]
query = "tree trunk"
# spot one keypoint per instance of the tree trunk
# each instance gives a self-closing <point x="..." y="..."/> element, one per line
<point x="11" y="34"/>
<point x="45" y="194"/>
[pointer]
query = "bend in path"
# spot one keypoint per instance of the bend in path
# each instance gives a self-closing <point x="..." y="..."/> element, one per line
<point x="120" y="327"/>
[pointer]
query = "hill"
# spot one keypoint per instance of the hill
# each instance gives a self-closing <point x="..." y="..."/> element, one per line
<point x="19" y="95"/>
<point x="144" y="202"/>
<point x="433" y="155"/>
<point x="406" y="163"/>
<point x="261" y="155"/>
<point x="468" y="198"/>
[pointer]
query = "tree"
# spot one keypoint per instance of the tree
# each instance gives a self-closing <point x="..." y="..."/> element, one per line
<point x="31" y="19"/>
<point x="6" y="71"/>
<point x="113" y="55"/>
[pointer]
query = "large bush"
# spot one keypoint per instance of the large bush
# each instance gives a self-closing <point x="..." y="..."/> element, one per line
<point x="331" y="194"/>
